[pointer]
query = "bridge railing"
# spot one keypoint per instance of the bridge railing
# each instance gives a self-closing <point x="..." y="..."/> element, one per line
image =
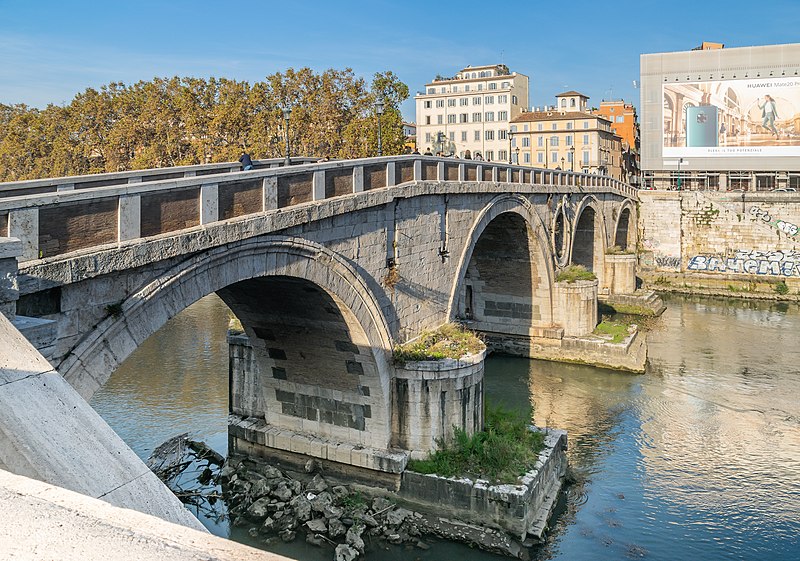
<point x="98" y="213"/>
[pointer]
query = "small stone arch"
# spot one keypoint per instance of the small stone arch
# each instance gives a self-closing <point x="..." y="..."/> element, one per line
<point x="625" y="227"/>
<point x="94" y="359"/>
<point x="521" y="207"/>
<point x="589" y="237"/>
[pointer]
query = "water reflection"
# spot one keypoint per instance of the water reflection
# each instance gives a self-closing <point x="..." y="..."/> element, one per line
<point x="698" y="458"/>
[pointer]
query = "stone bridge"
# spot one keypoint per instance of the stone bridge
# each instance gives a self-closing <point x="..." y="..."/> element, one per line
<point x="327" y="266"/>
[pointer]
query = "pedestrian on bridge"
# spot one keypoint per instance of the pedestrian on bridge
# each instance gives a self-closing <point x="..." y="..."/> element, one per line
<point x="247" y="163"/>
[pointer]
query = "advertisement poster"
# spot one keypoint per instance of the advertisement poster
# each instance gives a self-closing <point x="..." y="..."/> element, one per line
<point x="759" y="117"/>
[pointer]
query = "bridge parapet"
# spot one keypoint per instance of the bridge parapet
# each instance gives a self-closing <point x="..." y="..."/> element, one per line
<point x="78" y="213"/>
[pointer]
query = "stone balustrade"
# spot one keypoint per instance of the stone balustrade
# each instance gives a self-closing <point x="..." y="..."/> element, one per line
<point x="57" y="216"/>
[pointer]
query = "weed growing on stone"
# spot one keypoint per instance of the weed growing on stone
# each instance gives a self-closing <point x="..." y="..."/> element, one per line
<point x="618" y="330"/>
<point x="781" y="288"/>
<point x="451" y="340"/>
<point x="574" y="273"/>
<point x="617" y="250"/>
<point x="501" y="453"/>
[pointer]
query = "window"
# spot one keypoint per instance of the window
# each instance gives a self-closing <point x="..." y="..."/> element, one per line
<point x="540" y="158"/>
<point x="620" y="119"/>
<point x="451" y="119"/>
<point x="452" y="137"/>
<point x="554" y="157"/>
<point x="553" y="140"/>
<point x="493" y="86"/>
<point x="569" y="126"/>
<point x="489" y="99"/>
<point x="527" y="157"/>
<point x="442" y="89"/>
<point x="463" y="136"/>
<point x="541" y="142"/>
<point x="586" y="139"/>
<point x="476" y="100"/>
<point x="463" y="101"/>
<point x="514" y="99"/>
<point x="586" y="157"/>
<point x="431" y="90"/>
<point x="502" y="155"/>
<point x="480" y="87"/>
<point x="539" y="127"/>
<point x="563" y="103"/>
<point x="569" y="157"/>
<point x="489" y="135"/>
<point x="439" y="119"/>
<point x="489" y="116"/>
<point x="439" y="103"/>
<point x="489" y="155"/>
<point x="502" y="99"/>
<point x="572" y="102"/>
<point x="466" y="87"/>
<point x="586" y="124"/>
<point x="506" y="85"/>
<point x="569" y="140"/>
<point x="455" y="88"/>
<point x="476" y="117"/>
<point x="451" y="102"/>
<point x="526" y="142"/>
<point x="513" y="128"/>
<point x="427" y="137"/>
<point x="427" y="119"/>
<point x="477" y="136"/>
<point x="464" y="117"/>
<point x="502" y="135"/>
<point x="554" y="126"/>
<point x="428" y="104"/>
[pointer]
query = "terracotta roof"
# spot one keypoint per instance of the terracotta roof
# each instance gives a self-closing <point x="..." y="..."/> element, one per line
<point x="572" y="92"/>
<point x="529" y="116"/>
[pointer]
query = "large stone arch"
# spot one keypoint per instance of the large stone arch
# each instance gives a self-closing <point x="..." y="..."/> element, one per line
<point x="540" y="255"/>
<point x="275" y="257"/>
<point x="589" y="237"/>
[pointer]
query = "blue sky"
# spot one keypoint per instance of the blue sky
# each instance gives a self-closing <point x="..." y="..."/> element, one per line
<point x="49" y="51"/>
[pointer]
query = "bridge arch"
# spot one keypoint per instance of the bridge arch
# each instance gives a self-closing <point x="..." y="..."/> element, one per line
<point x="589" y="237"/>
<point x="625" y="227"/>
<point x="357" y="354"/>
<point x="505" y="235"/>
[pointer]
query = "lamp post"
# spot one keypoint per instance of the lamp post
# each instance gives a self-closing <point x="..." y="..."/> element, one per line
<point x="562" y="162"/>
<point x="510" y="160"/>
<point x="379" y="105"/>
<point x="572" y="155"/>
<point x="287" y="111"/>
<point x="680" y="161"/>
<point x="516" y="151"/>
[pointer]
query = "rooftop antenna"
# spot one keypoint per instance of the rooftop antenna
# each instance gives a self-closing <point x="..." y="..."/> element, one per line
<point x="610" y="91"/>
<point x="502" y="57"/>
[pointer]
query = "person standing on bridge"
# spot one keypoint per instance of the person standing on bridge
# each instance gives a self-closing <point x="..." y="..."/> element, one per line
<point x="247" y="163"/>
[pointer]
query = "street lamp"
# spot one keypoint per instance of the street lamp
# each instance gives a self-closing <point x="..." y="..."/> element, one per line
<point x="516" y="150"/>
<point x="287" y="111"/>
<point x="379" y="105"/>
<point x="572" y="154"/>
<point x="562" y="162"/>
<point x="510" y="136"/>
<point x="680" y="161"/>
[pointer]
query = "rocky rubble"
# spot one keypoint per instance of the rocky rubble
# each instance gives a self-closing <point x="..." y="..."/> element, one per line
<point x="276" y="506"/>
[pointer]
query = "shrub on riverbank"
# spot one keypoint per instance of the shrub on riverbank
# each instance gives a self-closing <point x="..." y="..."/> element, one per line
<point x="502" y="452"/>
<point x="451" y="340"/>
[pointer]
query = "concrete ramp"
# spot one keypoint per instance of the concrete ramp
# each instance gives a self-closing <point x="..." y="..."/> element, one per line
<point x="48" y="432"/>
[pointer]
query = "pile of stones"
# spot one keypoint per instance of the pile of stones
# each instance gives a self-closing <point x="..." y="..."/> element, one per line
<point x="276" y="506"/>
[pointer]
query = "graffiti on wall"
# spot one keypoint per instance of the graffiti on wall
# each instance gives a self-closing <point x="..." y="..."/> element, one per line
<point x="749" y="262"/>
<point x="668" y="262"/>
<point x="787" y="228"/>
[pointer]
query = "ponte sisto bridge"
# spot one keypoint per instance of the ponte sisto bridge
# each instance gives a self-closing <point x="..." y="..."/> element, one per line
<point x="327" y="265"/>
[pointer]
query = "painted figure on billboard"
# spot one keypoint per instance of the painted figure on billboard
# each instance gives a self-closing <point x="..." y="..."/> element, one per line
<point x="732" y="118"/>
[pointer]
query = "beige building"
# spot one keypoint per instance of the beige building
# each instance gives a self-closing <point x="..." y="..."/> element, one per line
<point x="470" y="113"/>
<point x="569" y="137"/>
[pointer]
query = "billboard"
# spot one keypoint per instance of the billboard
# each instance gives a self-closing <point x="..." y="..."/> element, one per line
<point x="728" y="118"/>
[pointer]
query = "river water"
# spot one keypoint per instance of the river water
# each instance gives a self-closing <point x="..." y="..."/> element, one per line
<point x="697" y="459"/>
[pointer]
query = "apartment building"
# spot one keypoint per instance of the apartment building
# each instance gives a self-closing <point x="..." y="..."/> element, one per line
<point x="470" y="113"/>
<point x="567" y="136"/>
<point x="625" y="124"/>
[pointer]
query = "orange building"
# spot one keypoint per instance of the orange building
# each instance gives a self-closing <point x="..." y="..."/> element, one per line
<point x="623" y="119"/>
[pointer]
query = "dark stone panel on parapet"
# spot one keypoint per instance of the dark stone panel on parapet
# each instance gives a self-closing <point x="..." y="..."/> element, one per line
<point x="515" y="176"/>
<point x="526" y="177"/>
<point x="4" y="224"/>
<point x="241" y="198"/>
<point x="170" y="211"/>
<point x="451" y="172"/>
<point x="403" y="172"/>
<point x="294" y="189"/>
<point x="107" y="182"/>
<point x="374" y="177"/>
<point x="429" y="171"/>
<point x="338" y="182"/>
<point x="69" y="227"/>
<point x="471" y="173"/>
<point x="487" y="174"/>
